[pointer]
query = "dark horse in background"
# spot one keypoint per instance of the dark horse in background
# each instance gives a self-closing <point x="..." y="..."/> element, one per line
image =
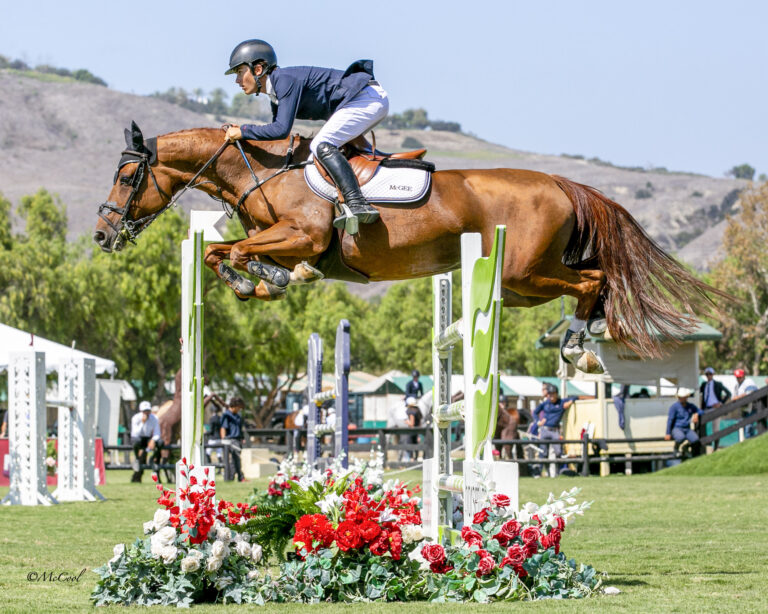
<point x="564" y="238"/>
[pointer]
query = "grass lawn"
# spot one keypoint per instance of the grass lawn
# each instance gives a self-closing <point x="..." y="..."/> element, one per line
<point x="670" y="543"/>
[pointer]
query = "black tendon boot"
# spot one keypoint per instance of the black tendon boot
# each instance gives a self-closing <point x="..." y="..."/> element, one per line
<point x="344" y="177"/>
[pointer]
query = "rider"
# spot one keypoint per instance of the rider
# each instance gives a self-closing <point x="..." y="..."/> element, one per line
<point x="351" y="101"/>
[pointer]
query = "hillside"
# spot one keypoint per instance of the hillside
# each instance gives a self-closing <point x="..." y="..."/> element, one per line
<point x="67" y="136"/>
<point x="750" y="457"/>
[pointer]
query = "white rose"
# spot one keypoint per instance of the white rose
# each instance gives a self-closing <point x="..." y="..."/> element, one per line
<point x="149" y="526"/>
<point x="223" y="582"/>
<point x="165" y="536"/>
<point x="256" y="553"/>
<point x="242" y="537"/>
<point x="531" y="507"/>
<point x="224" y="534"/>
<point x="190" y="564"/>
<point x="552" y="521"/>
<point x="219" y="550"/>
<point x="117" y="551"/>
<point x="523" y="516"/>
<point x="412" y="533"/>
<point x="243" y="548"/>
<point x="213" y="564"/>
<point x="168" y="553"/>
<point x="162" y="517"/>
<point x="253" y="574"/>
<point x="544" y="510"/>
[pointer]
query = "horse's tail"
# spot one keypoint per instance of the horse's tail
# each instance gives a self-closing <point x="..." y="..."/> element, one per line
<point x="649" y="298"/>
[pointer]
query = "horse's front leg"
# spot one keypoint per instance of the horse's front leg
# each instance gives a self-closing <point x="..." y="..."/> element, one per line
<point x="215" y="255"/>
<point x="286" y="241"/>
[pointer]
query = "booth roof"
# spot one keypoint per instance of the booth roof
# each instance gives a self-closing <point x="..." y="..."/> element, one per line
<point x="15" y="340"/>
<point x="551" y="338"/>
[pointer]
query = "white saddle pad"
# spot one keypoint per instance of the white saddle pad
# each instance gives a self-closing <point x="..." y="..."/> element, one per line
<point x="388" y="185"/>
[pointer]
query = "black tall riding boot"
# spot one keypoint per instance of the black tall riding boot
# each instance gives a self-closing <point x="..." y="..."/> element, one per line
<point x="344" y="177"/>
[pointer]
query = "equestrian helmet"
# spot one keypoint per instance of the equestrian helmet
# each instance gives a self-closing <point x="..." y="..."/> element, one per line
<point x="250" y="52"/>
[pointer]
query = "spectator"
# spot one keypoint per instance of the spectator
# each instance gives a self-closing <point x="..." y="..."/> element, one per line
<point x="145" y="438"/>
<point x="745" y="386"/>
<point x="4" y="425"/>
<point x="214" y="429"/>
<point x="414" y="419"/>
<point x="232" y="429"/>
<point x="300" y="424"/>
<point x="681" y="415"/>
<point x="712" y="395"/>
<point x="548" y="415"/>
<point x="414" y="388"/>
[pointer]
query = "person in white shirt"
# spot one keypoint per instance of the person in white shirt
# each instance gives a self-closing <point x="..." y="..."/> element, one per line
<point x="745" y="386"/>
<point x="145" y="438"/>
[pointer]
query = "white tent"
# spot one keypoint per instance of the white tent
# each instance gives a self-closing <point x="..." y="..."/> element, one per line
<point x="15" y="340"/>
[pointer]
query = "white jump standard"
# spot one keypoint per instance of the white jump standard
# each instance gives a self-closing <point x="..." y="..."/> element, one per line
<point x="478" y="330"/>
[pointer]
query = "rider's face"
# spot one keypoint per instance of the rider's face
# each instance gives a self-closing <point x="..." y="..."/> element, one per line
<point x="246" y="80"/>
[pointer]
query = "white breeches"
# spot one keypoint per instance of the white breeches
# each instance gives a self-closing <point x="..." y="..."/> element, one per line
<point x="356" y="117"/>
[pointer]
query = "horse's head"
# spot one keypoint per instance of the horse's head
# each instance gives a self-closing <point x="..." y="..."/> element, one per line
<point x="138" y="196"/>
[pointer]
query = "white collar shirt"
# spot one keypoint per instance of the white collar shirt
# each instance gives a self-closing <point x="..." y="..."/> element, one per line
<point x="745" y="387"/>
<point x="269" y="90"/>
<point x="140" y="428"/>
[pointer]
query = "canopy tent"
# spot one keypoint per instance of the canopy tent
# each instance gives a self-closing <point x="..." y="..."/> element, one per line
<point x="15" y="340"/>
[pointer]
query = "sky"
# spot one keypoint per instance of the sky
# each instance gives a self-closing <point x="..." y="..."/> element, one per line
<point x="682" y="84"/>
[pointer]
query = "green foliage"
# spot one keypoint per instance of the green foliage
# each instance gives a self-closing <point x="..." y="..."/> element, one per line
<point x="416" y="119"/>
<point x="80" y="74"/>
<point x="411" y="143"/>
<point x="742" y="171"/>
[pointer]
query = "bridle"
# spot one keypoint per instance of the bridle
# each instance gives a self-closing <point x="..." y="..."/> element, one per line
<point x="128" y="229"/>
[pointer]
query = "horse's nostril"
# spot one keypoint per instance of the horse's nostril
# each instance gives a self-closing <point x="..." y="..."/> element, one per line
<point x="99" y="236"/>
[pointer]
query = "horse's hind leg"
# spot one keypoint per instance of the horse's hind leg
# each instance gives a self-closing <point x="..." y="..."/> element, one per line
<point x="544" y="284"/>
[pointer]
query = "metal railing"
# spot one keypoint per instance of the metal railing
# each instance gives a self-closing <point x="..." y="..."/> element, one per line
<point x="758" y="400"/>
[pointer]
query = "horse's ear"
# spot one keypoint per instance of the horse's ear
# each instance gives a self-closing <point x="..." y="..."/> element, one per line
<point x="134" y="139"/>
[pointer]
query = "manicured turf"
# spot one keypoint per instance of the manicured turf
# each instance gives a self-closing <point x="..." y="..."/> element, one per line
<point x="670" y="543"/>
<point x="749" y="457"/>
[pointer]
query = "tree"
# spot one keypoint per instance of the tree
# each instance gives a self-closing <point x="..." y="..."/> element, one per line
<point x="742" y="171"/>
<point x="744" y="274"/>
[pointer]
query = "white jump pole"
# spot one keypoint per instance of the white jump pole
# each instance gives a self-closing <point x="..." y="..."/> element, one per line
<point x="201" y="228"/>
<point x="26" y="430"/>
<point x="478" y="330"/>
<point x="77" y="411"/>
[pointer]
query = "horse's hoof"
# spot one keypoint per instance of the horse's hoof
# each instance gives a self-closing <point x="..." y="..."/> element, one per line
<point x="304" y="273"/>
<point x="589" y="362"/>
<point x="597" y="327"/>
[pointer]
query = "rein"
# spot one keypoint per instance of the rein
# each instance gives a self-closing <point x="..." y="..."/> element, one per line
<point x="128" y="229"/>
<point x="257" y="183"/>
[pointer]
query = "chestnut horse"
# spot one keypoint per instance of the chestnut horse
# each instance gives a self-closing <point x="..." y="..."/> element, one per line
<point x="564" y="238"/>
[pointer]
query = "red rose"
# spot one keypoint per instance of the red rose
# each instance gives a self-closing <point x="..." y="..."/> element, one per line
<point x="516" y="555"/>
<point x="500" y="500"/>
<point x="480" y="517"/>
<point x="520" y="571"/>
<point x="471" y="537"/>
<point x="485" y="566"/>
<point x="552" y="540"/>
<point x="381" y="546"/>
<point x="560" y="523"/>
<point x="396" y="544"/>
<point x="531" y="535"/>
<point x="531" y="549"/>
<point x="348" y="536"/>
<point x="502" y="539"/>
<point x="369" y="531"/>
<point x="510" y="529"/>
<point x="440" y="567"/>
<point x="433" y="553"/>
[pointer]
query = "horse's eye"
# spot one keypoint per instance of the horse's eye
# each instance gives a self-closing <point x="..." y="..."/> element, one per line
<point x="126" y="180"/>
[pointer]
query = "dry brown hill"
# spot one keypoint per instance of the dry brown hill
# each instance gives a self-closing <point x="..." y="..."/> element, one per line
<point x="66" y="136"/>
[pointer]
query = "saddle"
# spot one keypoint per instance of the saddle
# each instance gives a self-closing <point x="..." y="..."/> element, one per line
<point x="365" y="160"/>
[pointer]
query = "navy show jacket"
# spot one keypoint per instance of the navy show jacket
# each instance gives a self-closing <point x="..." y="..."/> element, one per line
<point x="309" y="92"/>
<point x="552" y="412"/>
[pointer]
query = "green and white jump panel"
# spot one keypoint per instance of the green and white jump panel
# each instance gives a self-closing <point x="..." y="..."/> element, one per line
<point x="478" y="331"/>
<point x="201" y="228"/>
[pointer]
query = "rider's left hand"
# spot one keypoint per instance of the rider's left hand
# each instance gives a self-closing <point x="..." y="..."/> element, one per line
<point x="233" y="134"/>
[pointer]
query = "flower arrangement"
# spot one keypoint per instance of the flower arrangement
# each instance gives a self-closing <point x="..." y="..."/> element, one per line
<point x="507" y="555"/>
<point x="351" y="536"/>
<point x="51" y="457"/>
<point x="189" y="555"/>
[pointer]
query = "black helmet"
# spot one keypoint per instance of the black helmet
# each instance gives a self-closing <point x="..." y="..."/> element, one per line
<point x="250" y="52"/>
<point x="415" y="373"/>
